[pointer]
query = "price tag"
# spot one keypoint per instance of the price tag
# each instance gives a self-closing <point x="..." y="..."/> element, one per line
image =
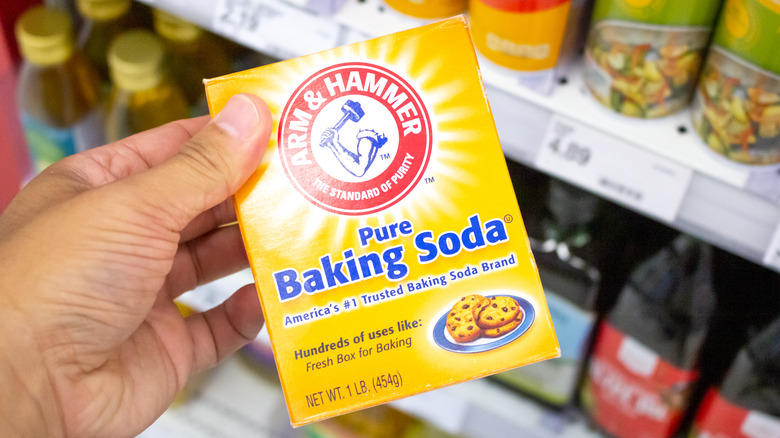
<point x="274" y="27"/>
<point x="615" y="170"/>
<point x="443" y="408"/>
<point x="772" y="255"/>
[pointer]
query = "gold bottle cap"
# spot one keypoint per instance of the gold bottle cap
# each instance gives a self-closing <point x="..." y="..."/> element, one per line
<point x="45" y="36"/>
<point x="174" y="28"/>
<point x="135" y="60"/>
<point x="103" y="10"/>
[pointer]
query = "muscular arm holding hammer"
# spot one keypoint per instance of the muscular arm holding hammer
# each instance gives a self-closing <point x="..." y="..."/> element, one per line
<point x="369" y="141"/>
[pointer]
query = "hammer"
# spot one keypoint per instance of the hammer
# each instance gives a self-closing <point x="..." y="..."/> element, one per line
<point x="352" y="111"/>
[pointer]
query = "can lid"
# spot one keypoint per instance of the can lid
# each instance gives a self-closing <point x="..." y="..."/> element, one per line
<point x="135" y="60"/>
<point x="103" y="9"/>
<point x="45" y="36"/>
<point x="174" y="28"/>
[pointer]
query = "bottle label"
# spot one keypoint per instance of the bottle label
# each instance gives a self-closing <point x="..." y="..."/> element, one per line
<point x="630" y="391"/>
<point x="719" y="418"/>
<point x="555" y="380"/>
<point x="48" y="144"/>
<point x="524" y="36"/>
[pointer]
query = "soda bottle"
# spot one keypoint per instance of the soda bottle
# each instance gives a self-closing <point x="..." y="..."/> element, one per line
<point x="142" y="97"/>
<point x="58" y="94"/>
<point x="646" y="354"/>
<point x="747" y="404"/>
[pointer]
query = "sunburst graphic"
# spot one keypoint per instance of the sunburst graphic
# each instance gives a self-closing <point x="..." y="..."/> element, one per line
<point x="449" y="166"/>
<point x="460" y="124"/>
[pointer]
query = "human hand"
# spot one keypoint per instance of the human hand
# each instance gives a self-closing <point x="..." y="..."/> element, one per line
<point x="92" y="253"/>
<point x="329" y="137"/>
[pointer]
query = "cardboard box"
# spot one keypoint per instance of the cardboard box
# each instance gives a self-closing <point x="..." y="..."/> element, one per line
<point x="383" y="205"/>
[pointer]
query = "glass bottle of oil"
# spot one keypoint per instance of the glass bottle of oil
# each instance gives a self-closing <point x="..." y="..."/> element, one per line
<point x="58" y="91"/>
<point x="192" y="55"/>
<point x="103" y="21"/>
<point x="141" y="97"/>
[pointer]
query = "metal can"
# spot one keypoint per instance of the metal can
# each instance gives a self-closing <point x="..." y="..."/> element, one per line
<point x="736" y="110"/>
<point x="643" y="57"/>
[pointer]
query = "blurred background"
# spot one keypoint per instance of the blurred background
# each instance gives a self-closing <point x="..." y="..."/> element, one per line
<point x="643" y="141"/>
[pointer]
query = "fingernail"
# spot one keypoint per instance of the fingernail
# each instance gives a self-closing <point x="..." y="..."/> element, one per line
<point x="239" y="117"/>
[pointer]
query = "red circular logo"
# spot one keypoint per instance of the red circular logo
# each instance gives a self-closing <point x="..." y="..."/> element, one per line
<point x="355" y="138"/>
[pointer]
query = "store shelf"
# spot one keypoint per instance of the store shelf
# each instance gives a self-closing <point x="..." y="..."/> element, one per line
<point x="239" y="401"/>
<point x="656" y="167"/>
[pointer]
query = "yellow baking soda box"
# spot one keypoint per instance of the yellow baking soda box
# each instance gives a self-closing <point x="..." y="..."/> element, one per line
<point x="382" y="227"/>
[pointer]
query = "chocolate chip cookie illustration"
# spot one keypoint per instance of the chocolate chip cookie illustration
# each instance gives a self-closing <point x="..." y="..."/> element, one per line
<point x="504" y="329"/>
<point x="461" y="320"/>
<point x="460" y="331"/>
<point x="474" y="303"/>
<point x="500" y="311"/>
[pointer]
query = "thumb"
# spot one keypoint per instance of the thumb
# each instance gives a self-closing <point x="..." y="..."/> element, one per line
<point x="210" y="166"/>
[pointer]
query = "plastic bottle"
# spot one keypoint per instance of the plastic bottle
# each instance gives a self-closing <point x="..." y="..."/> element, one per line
<point x="103" y="21"/>
<point x="646" y="354"/>
<point x="59" y="92"/>
<point x="748" y="402"/>
<point x="566" y="257"/>
<point x="141" y="97"/>
<point x="192" y="55"/>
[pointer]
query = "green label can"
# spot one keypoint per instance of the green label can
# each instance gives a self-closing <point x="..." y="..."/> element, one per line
<point x="736" y="110"/>
<point x="643" y="57"/>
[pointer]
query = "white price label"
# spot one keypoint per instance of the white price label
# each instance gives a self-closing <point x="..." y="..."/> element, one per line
<point x="443" y="408"/>
<point x="613" y="169"/>
<point x="772" y="255"/>
<point x="274" y="27"/>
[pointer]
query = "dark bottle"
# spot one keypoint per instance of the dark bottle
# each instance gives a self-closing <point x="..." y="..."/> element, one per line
<point x="565" y="255"/>
<point x="747" y="405"/>
<point x="645" y="358"/>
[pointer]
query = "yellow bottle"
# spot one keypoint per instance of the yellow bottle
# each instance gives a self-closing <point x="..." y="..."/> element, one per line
<point x="103" y="21"/>
<point x="58" y="89"/>
<point x="141" y="97"/>
<point x="192" y="55"/>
